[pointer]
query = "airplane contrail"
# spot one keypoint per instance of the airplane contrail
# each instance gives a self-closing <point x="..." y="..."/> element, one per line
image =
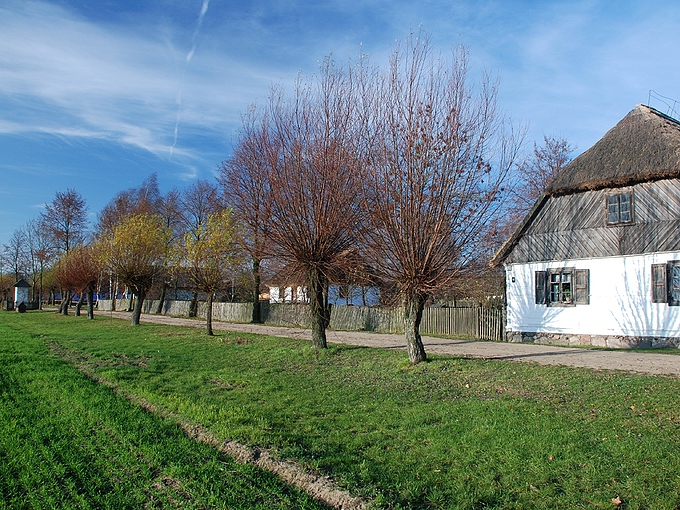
<point x="187" y="60"/>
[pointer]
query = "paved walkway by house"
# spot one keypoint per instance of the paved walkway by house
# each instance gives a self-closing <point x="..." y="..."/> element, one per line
<point x="631" y="361"/>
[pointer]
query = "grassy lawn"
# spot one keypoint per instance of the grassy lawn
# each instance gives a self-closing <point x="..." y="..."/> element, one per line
<point x="450" y="433"/>
<point x="67" y="442"/>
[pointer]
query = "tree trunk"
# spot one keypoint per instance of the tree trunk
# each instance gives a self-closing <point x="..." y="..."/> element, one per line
<point x="65" y="301"/>
<point x="319" y="309"/>
<point x="413" y="313"/>
<point x="90" y="302"/>
<point x="161" y="301"/>
<point x="208" y="314"/>
<point x="114" y="293"/>
<point x="79" y="304"/>
<point x="137" y="311"/>
<point x="193" y="307"/>
<point x="41" y="287"/>
<point x="257" y="309"/>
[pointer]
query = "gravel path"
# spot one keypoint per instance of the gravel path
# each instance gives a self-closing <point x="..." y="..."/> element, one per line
<point x="631" y="361"/>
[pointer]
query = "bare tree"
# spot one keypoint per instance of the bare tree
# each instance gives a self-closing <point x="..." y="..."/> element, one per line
<point x="245" y="183"/>
<point x="197" y="202"/>
<point x="145" y="199"/>
<point x="439" y="157"/>
<point x="16" y="255"/>
<point x="313" y="206"/>
<point x="6" y="284"/>
<point x="41" y="252"/>
<point x="535" y="173"/>
<point x="65" y="220"/>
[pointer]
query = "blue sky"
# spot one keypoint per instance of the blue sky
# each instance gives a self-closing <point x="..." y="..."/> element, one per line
<point x="98" y="94"/>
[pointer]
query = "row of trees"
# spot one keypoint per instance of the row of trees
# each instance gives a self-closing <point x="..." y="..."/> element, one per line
<point x="398" y="175"/>
<point x="401" y="171"/>
<point x="141" y="236"/>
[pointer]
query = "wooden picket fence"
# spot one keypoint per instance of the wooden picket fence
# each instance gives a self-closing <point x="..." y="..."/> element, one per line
<point x="479" y="323"/>
<point x="474" y="323"/>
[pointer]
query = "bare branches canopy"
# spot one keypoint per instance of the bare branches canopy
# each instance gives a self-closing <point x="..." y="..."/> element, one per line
<point x="65" y="220"/>
<point x="402" y="167"/>
<point x="440" y="157"/>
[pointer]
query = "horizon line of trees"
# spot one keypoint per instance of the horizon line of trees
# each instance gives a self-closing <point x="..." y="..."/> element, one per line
<point x="400" y="175"/>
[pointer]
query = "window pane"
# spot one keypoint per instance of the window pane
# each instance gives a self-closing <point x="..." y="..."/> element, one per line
<point x="675" y="283"/>
<point x="566" y="287"/>
<point x="613" y="209"/>
<point x="555" y="292"/>
<point x="566" y="292"/>
<point x="625" y="207"/>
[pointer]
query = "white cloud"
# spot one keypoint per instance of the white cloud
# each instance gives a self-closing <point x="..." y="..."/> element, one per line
<point x="119" y="84"/>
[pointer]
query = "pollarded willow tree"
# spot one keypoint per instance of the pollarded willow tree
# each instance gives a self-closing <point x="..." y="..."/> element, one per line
<point x="313" y="203"/>
<point x="145" y="199"/>
<point x="78" y="271"/>
<point x="440" y="152"/>
<point x="134" y="249"/>
<point x="211" y="254"/>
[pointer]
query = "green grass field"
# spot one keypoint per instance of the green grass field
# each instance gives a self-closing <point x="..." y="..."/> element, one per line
<point x="67" y="442"/>
<point x="450" y="433"/>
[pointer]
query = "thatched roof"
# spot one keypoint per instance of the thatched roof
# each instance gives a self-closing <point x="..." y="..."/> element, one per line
<point x="644" y="146"/>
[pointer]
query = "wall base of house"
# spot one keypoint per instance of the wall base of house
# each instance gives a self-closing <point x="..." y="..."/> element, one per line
<point x="613" y="341"/>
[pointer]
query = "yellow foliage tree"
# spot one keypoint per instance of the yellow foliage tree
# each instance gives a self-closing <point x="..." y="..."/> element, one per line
<point x="135" y="250"/>
<point x="211" y="253"/>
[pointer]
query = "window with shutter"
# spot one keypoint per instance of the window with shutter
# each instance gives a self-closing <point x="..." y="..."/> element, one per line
<point x="541" y="287"/>
<point x="582" y="286"/>
<point x="673" y="282"/>
<point x="561" y="283"/>
<point x="659" y="294"/>
<point x="563" y="287"/>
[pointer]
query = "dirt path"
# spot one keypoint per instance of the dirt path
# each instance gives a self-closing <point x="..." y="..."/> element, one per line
<point x="631" y="361"/>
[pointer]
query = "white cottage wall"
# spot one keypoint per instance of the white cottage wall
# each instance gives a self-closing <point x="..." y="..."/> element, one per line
<point x="21" y="295"/>
<point x="620" y="301"/>
<point x="274" y="295"/>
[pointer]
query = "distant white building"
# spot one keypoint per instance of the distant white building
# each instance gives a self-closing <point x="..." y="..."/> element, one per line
<point x="338" y="295"/>
<point x="288" y="294"/>
<point x="22" y="293"/>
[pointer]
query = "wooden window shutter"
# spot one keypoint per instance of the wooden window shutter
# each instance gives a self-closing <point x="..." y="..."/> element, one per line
<point x="541" y="287"/>
<point x="673" y="283"/>
<point x="659" y="293"/>
<point x="582" y="286"/>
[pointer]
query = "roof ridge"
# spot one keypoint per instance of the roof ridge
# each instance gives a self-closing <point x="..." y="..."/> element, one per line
<point x="659" y="113"/>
